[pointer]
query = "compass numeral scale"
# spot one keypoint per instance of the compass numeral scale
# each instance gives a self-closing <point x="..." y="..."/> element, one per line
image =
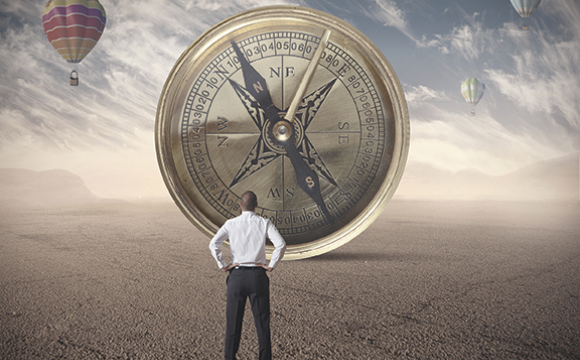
<point x="292" y="104"/>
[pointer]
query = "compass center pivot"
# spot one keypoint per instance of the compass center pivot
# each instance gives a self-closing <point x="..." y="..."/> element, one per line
<point x="281" y="131"/>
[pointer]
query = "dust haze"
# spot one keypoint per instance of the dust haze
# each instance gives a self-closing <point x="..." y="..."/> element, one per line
<point x="554" y="180"/>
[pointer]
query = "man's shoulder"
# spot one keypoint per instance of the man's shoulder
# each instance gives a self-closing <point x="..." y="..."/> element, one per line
<point x="263" y="219"/>
<point x="249" y="217"/>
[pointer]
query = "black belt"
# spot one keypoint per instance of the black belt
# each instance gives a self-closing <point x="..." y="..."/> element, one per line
<point x="248" y="268"/>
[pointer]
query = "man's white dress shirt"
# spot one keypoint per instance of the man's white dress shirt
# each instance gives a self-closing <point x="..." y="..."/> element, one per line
<point x="247" y="234"/>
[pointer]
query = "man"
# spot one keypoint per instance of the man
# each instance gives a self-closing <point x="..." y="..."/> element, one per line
<point x="247" y="234"/>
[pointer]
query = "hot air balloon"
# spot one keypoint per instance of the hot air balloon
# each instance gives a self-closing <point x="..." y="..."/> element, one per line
<point x="73" y="28"/>
<point x="472" y="91"/>
<point x="525" y="8"/>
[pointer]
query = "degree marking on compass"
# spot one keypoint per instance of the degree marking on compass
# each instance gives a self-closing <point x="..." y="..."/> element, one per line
<point x="282" y="78"/>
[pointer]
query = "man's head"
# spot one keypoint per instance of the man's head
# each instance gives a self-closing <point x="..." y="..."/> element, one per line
<point x="249" y="201"/>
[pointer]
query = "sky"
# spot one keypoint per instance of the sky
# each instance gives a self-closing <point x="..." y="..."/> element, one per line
<point x="103" y="130"/>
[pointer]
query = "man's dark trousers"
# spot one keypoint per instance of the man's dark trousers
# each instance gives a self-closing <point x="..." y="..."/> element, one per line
<point x="244" y="282"/>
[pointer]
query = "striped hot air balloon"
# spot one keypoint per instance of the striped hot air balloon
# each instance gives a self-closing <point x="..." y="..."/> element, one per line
<point x="472" y="91"/>
<point x="73" y="27"/>
<point x="525" y="8"/>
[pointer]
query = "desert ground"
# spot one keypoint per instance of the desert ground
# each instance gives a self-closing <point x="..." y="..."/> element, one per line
<point x="428" y="280"/>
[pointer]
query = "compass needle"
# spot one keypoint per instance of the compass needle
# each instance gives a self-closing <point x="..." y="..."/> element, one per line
<point x="308" y="74"/>
<point x="324" y="167"/>
<point x="281" y="129"/>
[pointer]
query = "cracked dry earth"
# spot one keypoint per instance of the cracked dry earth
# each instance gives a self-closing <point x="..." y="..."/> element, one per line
<point x="425" y="281"/>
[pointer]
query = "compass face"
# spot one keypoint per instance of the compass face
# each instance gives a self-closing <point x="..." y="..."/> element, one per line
<point x="215" y="141"/>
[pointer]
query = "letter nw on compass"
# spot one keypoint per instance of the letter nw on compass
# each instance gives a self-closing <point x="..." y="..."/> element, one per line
<point x="265" y="150"/>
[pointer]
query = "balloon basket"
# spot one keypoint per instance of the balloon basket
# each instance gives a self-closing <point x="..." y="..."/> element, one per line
<point x="472" y="112"/>
<point x="526" y="27"/>
<point x="74" y="78"/>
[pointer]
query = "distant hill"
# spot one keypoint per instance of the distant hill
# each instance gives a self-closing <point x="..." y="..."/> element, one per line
<point x="51" y="188"/>
<point x="551" y="180"/>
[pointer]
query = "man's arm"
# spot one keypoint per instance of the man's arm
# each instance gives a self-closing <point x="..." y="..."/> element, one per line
<point x="215" y="247"/>
<point x="279" y="244"/>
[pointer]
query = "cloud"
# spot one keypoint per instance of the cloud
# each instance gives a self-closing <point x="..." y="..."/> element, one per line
<point x="416" y="95"/>
<point x="530" y="111"/>
<point x="453" y="140"/>
<point x="385" y="12"/>
<point x="468" y="41"/>
<point x="544" y="78"/>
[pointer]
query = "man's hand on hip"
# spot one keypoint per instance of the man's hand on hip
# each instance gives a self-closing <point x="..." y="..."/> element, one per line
<point x="229" y="267"/>
<point x="267" y="268"/>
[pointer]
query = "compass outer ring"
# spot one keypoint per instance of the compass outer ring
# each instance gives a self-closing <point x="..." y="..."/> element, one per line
<point x="395" y="99"/>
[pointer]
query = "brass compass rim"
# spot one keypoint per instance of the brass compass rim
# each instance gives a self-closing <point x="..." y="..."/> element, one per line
<point x="228" y="27"/>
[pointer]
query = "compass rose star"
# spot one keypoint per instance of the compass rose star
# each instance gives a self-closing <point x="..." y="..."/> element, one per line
<point x="254" y="109"/>
<point x="312" y="102"/>
<point x="310" y="105"/>
<point x="261" y="155"/>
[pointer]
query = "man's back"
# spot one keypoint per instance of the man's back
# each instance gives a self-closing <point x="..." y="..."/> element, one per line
<point x="247" y="235"/>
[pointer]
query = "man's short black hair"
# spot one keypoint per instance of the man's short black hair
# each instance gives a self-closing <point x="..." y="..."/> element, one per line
<point x="249" y="201"/>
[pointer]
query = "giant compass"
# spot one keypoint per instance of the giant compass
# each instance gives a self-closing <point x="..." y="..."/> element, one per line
<point x="295" y="105"/>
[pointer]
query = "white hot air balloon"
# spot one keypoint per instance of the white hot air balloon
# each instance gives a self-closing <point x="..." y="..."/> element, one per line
<point x="472" y="91"/>
<point x="525" y="8"/>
